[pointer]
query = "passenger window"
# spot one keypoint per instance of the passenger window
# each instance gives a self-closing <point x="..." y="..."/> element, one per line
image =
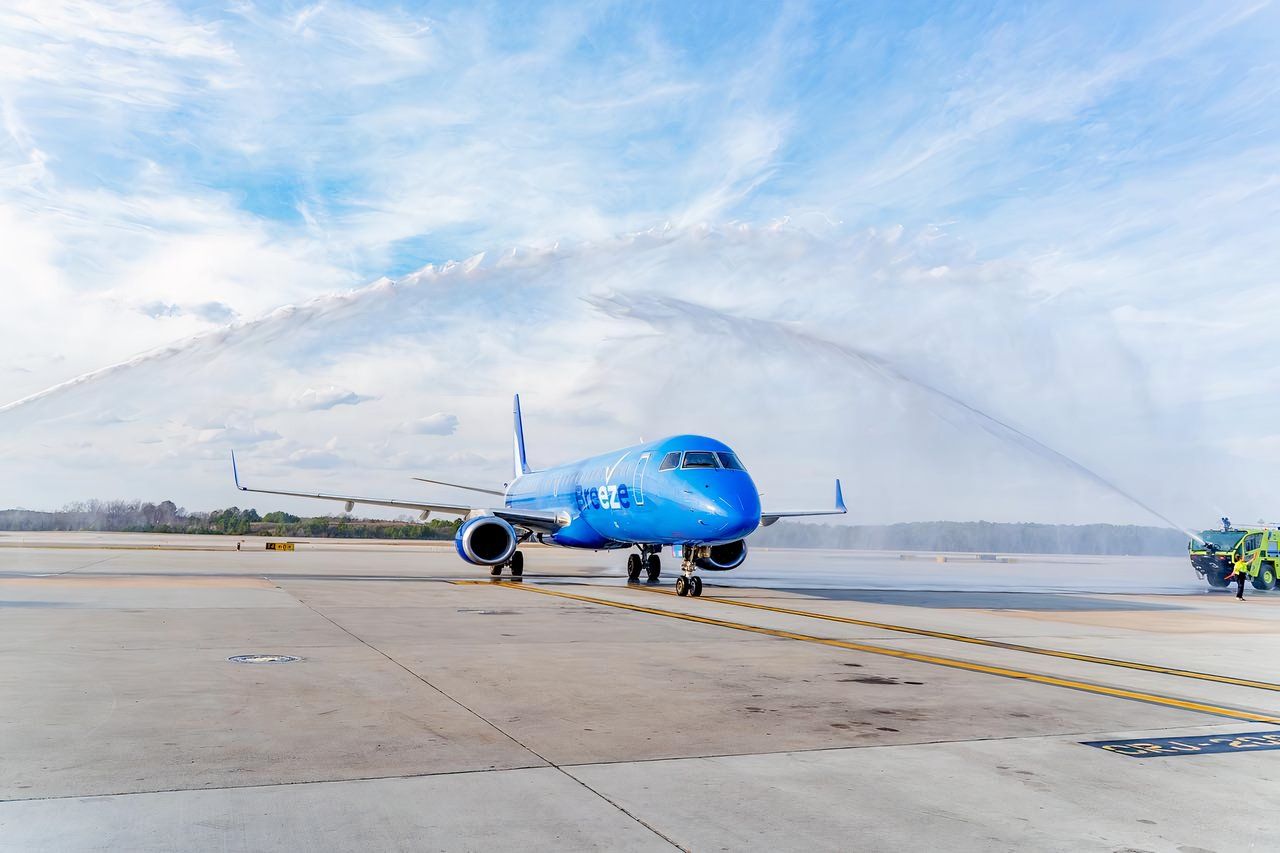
<point x="699" y="459"/>
<point x="730" y="461"/>
<point x="671" y="460"/>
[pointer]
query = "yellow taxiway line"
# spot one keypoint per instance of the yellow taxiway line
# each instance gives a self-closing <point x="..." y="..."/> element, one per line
<point x="953" y="663"/>
<point x="995" y="644"/>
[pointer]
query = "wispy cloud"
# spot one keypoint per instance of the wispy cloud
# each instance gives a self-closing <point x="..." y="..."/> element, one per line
<point x="441" y="423"/>
<point x="309" y="459"/>
<point x="320" y="399"/>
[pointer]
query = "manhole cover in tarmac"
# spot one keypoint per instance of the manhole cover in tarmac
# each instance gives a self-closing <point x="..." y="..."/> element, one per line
<point x="263" y="658"/>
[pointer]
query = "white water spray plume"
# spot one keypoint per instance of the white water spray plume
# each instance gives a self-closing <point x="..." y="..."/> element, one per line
<point x="752" y="334"/>
<point x="648" y="333"/>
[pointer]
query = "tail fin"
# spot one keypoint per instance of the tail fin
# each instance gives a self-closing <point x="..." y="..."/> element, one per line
<point x="521" y="463"/>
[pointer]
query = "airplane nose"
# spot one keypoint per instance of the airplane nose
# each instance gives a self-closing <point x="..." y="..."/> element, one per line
<point x="736" y="511"/>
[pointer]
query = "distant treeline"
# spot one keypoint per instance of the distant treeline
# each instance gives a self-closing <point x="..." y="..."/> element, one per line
<point x="978" y="537"/>
<point x="167" y="517"/>
<point x="963" y="536"/>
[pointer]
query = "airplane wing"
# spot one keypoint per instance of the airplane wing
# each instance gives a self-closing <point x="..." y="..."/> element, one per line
<point x="534" y="519"/>
<point x="767" y="518"/>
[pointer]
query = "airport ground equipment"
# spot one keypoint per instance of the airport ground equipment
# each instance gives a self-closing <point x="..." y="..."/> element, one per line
<point x="690" y="493"/>
<point x="1214" y="558"/>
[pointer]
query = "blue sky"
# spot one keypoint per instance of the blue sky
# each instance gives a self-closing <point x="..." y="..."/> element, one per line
<point x="1060" y="212"/>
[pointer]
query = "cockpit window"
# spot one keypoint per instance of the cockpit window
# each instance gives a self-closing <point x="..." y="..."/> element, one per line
<point x="671" y="460"/>
<point x="729" y="461"/>
<point x="699" y="459"/>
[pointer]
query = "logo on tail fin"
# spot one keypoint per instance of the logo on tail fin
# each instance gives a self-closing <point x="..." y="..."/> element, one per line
<point x="521" y="463"/>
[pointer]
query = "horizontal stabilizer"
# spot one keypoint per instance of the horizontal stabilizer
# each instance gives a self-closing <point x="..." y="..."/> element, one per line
<point x="460" y="486"/>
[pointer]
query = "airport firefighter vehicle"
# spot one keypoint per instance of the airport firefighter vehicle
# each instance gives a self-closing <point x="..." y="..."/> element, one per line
<point x="1215" y="556"/>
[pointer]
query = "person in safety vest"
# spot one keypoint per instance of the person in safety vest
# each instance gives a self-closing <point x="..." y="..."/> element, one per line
<point x="1241" y="570"/>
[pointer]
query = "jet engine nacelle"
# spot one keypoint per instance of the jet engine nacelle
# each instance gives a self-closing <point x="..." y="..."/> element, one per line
<point x="722" y="558"/>
<point x="485" y="541"/>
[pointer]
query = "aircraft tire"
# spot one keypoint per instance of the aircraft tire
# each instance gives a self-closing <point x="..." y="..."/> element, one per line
<point x="517" y="564"/>
<point x="495" y="571"/>
<point x="695" y="583"/>
<point x="655" y="568"/>
<point x="682" y="586"/>
<point x="1266" y="577"/>
<point x="633" y="568"/>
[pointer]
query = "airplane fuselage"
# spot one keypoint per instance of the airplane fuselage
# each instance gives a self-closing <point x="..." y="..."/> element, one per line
<point x="637" y="495"/>
<point x="690" y="492"/>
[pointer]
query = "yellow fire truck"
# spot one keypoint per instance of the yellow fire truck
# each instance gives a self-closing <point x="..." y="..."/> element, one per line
<point x="1214" y="557"/>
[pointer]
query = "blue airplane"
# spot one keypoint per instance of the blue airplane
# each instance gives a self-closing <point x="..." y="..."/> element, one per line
<point x="689" y="492"/>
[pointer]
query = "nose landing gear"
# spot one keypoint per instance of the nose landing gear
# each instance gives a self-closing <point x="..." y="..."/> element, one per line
<point x="688" y="583"/>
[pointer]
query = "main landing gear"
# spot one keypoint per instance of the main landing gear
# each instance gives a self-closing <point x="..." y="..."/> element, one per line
<point x="688" y="583"/>
<point x="515" y="564"/>
<point x="646" y="561"/>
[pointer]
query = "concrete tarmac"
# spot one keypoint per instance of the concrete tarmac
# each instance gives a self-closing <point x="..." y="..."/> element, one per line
<point x="811" y="700"/>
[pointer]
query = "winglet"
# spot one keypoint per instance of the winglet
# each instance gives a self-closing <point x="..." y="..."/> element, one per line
<point x="520" y="462"/>
<point x="839" y="497"/>
<point x="235" y="475"/>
